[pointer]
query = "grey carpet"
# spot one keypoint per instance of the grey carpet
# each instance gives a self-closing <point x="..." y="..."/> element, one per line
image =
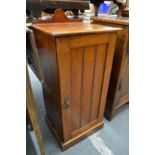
<point x="115" y="134"/>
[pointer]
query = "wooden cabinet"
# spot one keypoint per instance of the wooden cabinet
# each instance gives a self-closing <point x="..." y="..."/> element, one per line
<point x="118" y="93"/>
<point x="76" y="60"/>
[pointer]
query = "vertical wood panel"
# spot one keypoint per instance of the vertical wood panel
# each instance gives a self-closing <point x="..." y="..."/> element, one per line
<point x="98" y="78"/>
<point x="63" y="56"/>
<point x="76" y="76"/>
<point x="87" y="83"/>
<point x="106" y="78"/>
<point x="125" y="76"/>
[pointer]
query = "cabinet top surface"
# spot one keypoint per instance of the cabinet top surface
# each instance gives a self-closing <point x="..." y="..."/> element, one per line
<point x="65" y="29"/>
<point x="114" y="20"/>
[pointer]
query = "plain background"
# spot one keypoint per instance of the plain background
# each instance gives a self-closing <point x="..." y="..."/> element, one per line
<point x="13" y="77"/>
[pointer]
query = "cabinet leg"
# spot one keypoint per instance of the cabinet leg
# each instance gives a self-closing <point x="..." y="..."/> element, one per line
<point x="109" y="115"/>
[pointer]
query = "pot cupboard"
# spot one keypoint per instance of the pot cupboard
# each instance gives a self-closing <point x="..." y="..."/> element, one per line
<point x="76" y="60"/>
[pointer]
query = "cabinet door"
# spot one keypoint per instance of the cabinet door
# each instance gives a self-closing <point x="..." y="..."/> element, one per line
<point x="124" y="81"/>
<point x="84" y="64"/>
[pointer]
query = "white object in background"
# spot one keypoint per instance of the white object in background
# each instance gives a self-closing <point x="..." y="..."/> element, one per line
<point x="91" y="10"/>
<point x="99" y="144"/>
<point x="107" y="2"/>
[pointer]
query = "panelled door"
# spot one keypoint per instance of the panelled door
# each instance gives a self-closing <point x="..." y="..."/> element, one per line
<point x="84" y="64"/>
<point x="123" y="82"/>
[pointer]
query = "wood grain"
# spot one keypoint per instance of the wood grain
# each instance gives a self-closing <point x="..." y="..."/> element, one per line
<point x="106" y="77"/>
<point x="63" y="58"/>
<point x="77" y="70"/>
<point x="46" y="46"/>
<point x="87" y="83"/>
<point x="115" y="20"/>
<point x="76" y="80"/>
<point x="118" y="93"/>
<point x="101" y="54"/>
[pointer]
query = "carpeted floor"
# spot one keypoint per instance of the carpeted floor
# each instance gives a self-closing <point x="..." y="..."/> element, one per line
<point x="113" y="139"/>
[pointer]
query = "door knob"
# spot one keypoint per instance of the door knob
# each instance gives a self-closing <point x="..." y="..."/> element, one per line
<point x="66" y="103"/>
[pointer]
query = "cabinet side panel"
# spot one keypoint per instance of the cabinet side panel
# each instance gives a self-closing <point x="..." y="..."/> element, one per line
<point x="48" y="60"/>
